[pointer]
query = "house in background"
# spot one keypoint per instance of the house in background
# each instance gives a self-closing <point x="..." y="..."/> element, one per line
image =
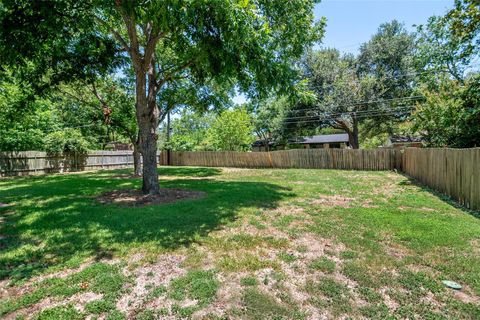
<point x="325" y="141"/>
<point x="400" y="142"/>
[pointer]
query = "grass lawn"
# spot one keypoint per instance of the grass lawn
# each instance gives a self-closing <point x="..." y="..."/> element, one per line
<point x="262" y="244"/>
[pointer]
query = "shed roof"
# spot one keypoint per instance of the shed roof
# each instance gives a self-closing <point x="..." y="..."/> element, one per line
<point x="324" y="138"/>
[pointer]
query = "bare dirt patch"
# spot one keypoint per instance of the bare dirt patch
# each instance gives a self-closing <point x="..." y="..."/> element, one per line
<point x="160" y="273"/>
<point x="465" y="297"/>
<point x="332" y="201"/>
<point x="135" y="198"/>
<point x="368" y="203"/>
<point x="78" y="300"/>
<point x="7" y="291"/>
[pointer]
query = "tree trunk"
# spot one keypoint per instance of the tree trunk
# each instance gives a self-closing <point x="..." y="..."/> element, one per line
<point x="353" y="134"/>
<point x="147" y="120"/>
<point x="149" y="154"/>
<point x="137" y="161"/>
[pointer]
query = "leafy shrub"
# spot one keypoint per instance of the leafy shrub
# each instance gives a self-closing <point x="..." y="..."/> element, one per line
<point x="68" y="140"/>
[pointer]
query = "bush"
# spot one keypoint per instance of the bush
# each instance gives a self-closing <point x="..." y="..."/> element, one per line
<point x="68" y="140"/>
<point x="231" y="131"/>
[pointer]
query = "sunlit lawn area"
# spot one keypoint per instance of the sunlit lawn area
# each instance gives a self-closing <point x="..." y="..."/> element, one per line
<point x="262" y="244"/>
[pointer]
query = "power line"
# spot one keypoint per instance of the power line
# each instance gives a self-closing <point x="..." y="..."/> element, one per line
<point x="336" y="118"/>
<point x="332" y="114"/>
<point x="340" y="114"/>
<point x="361" y="116"/>
<point x="361" y="103"/>
<point x="412" y="74"/>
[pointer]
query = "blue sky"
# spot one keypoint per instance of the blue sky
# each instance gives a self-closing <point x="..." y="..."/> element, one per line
<point x="352" y="22"/>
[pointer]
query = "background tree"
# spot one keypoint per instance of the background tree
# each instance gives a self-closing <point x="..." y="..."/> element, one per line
<point x="338" y="91"/>
<point x="448" y="49"/>
<point x="386" y="63"/>
<point x="369" y="91"/>
<point x="66" y="141"/>
<point x="440" y="50"/>
<point x="464" y="24"/>
<point x="251" y="41"/>
<point x="189" y="131"/>
<point x="24" y="120"/>
<point x="232" y="130"/>
<point x="268" y="117"/>
<point x="450" y="117"/>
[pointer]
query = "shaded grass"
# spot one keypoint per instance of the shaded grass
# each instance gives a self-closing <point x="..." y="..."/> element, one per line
<point x="57" y="223"/>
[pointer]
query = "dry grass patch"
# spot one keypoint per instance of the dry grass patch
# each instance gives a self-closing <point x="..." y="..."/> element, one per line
<point x="332" y="201"/>
<point x="147" y="278"/>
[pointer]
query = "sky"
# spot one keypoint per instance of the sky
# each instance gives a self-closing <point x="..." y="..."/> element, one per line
<point x="352" y="22"/>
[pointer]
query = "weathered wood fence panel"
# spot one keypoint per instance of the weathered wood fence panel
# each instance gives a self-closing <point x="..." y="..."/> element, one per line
<point x="379" y="159"/>
<point x="453" y="172"/>
<point x="31" y="162"/>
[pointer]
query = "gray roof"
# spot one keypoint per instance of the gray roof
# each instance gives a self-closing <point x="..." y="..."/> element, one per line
<point x="325" y="138"/>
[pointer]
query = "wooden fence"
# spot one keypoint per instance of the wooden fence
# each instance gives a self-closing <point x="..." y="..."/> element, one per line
<point x="31" y="162"/>
<point x="453" y="172"/>
<point x="379" y="159"/>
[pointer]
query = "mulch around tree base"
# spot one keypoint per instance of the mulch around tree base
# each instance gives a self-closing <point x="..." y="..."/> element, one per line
<point x="135" y="198"/>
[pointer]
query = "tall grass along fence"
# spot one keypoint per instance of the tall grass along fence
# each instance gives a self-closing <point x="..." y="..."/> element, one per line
<point x="453" y="172"/>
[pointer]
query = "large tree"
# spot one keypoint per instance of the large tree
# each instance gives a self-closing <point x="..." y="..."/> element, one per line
<point x="337" y="89"/>
<point x="387" y="59"/>
<point x="447" y="45"/>
<point x="162" y="41"/>
<point x="372" y="89"/>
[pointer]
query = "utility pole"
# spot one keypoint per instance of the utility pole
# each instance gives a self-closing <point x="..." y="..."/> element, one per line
<point x="168" y="138"/>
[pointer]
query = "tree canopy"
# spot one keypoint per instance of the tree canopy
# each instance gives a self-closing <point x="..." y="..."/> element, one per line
<point x="253" y="42"/>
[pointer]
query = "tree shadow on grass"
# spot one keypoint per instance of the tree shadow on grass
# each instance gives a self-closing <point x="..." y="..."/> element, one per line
<point x="57" y="220"/>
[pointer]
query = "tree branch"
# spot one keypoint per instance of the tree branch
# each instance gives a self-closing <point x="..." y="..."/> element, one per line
<point x="130" y="24"/>
<point x="170" y="75"/>
<point x="150" y="48"/>
<point x="115" y="33"/>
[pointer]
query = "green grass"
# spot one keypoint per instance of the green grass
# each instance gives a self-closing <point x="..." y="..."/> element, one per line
<point x="328" y="293"/>
<point x="259" y="305"/>
<point x="393" y="238"/>
<point x="199" y="285"/>
<point x="323" y="264"/>
<point x="99" y="278"/>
